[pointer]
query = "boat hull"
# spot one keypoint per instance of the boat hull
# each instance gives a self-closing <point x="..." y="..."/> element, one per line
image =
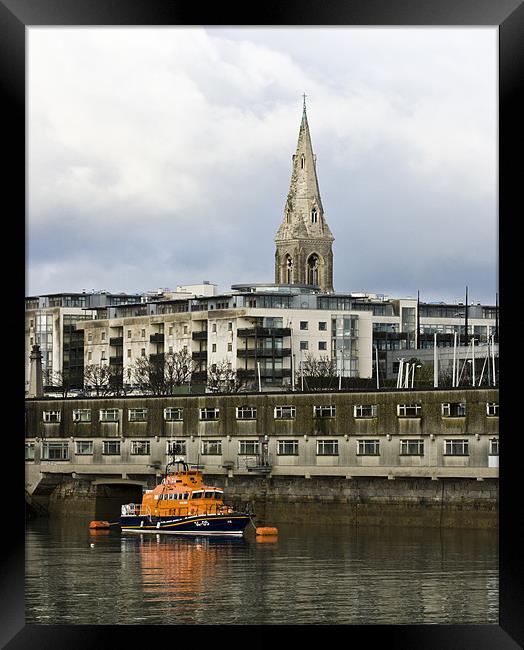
<point x="232" y="524"/>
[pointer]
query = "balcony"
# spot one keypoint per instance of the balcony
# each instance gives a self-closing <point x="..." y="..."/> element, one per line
<point x="262" y="353"/>
<point x="248" y="332"/>
<point x="116" y="361"/>
<point x="253" y="374"/>
<point x="156" y="338"/>
<point x="200" y="336"/>
<point x="201" y="354"/>
<point x="159" y="358"/>
<point x="116" y="341"/>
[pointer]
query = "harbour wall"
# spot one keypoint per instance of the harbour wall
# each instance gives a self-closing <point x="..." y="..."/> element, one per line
<point x="443" y="503"/>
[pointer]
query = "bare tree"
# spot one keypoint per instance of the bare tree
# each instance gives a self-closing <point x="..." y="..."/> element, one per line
<point x="60" y="381"/>
<point x="222" y="378"/>
<point x="317" y="373"/>
<point x="160" y="374"/>
<point x="98" y="379"/>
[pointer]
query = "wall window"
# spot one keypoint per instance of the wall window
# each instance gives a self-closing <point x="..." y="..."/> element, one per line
<point x="368" y="447"/>
<point x="324" y="411"/>
<point x="304" y="345"/>
<point x="248" y="447"/>
<point x="285" y="412"/>
<point x="140" y="447"/>
<point x="322" y="326"/>
<point x="411" y="447"/>
<point x="137" y="415"/>
<point x="55" y="451"/>
<point x="213" y="347"/>
<point x="82" y="415"/>
<point x="409" y="410"/>
<point x="142" y="352"/>
<point x="454" y="409"/>
<point x="456" y="447"/>
<point x="246" y="413"/>
<point x="108" y="415"/>
<point x="327" y="447"/>
<point x="209" y="414"/>
<point x="143" y="334"/>
<point x="29" y="450"/>
<point x="176" y="447"/>
<point x="303" y="324"/>
<point x="492" y="408"/>
<point x="494" y="447"/>
<point x="365" y="411"/>
<point x="211" y="447"/>
<point x="111" y="447"/>
<point x="322" y="345"/>
<point x="229" y="347"/>
<point x="84" y="447"/>
<point x="128" y="334"/>
<point x="230" y="326"/>
<point x="129" y="353"/>
<point x="103" y="336"/>
<point x="287" y="448"/>
<point x="173" y="414"/>
<point x="51" y="416"/>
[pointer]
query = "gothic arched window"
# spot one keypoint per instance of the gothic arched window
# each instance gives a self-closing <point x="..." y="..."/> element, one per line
<point x="289" y="269"/>
<point x="314" y="215"/>
<point x="302" y="161"/>
<point x="312" y="269"/>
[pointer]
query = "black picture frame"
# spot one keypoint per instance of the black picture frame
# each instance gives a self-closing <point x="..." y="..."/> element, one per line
<point x="508" y="15"/>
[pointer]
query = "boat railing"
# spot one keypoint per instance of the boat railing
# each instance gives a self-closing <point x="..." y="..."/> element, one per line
<point x="136" y="509"/>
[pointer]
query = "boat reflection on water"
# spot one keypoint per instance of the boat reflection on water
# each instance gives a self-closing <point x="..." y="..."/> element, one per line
<point x="176" y="570"/>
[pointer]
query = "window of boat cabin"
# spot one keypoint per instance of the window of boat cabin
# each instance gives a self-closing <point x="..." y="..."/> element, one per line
<point x="173" y="414"/>
<point x="209" y="495"/>
<point x="209" y="413"/>
<point x="197" y="495"/>
<point x="51" y="416"/>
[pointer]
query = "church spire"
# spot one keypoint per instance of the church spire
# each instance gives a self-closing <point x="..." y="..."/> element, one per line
<point x="304" y="229"/>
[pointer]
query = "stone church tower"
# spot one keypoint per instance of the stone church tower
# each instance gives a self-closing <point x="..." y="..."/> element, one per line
<point x="304" y="240"/>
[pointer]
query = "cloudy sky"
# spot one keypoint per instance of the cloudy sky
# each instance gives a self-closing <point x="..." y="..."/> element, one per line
<point x="162" y="156"/>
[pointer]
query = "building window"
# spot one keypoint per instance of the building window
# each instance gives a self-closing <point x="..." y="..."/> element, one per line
<point x="108" y="415"/>
<point x="324" y="411"/>
<point x="140" y="447"/>
<point x="248" y="447"/>
<point x="327" y="447"/>
<point x="285" y="412"/>
<point x="90" y="337"/>
<point x="142" y="352"/>
<point x="29" y="450"/>
<point x="494" y="447"/>
<point x="51" y="416"/>
<point x="213" y="347"/>
<point x="322" y="345"/>
<point x="368" y="447"/>
<point x="84" y="447"/>
<point x="55" y="451"/>
<point x="411" y="447"/>
<point x="211" y="447"/>
<point x="304" y="345"/>
<point x="82" y="415"/>
<point x="492" y="408"/>
<point x="170" y="330"/>
<point x="287" y="448"/>
<point x="456" y="447"/>
<point x="143" y="334"/>
<point x="322" y="326"/>
<point x="365" y="411"/>
<point x="409" y="410"/>
<point x="213" y="327"/>
<point x="230" y="326"/>
<point x="229" y="347"/>
<point x="129" y="353"/>
<point x="176" y="448"/>
<point x="137" y="415"/>
<point x="111" y="447"/>
<point x="173" y="414"/>
<point x="209" y="414"/>
<point x="128" y="334"/>
<point x="103" y="336"/>
<point x="454" y="409"/>
<point x="185" y="329"/>
<point x="303" y="324"/>
<point x="246" y="413"/>
<point x="89" y="356"/>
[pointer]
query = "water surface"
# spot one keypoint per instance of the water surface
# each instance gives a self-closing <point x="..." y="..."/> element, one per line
<point x="308" y="575"/>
